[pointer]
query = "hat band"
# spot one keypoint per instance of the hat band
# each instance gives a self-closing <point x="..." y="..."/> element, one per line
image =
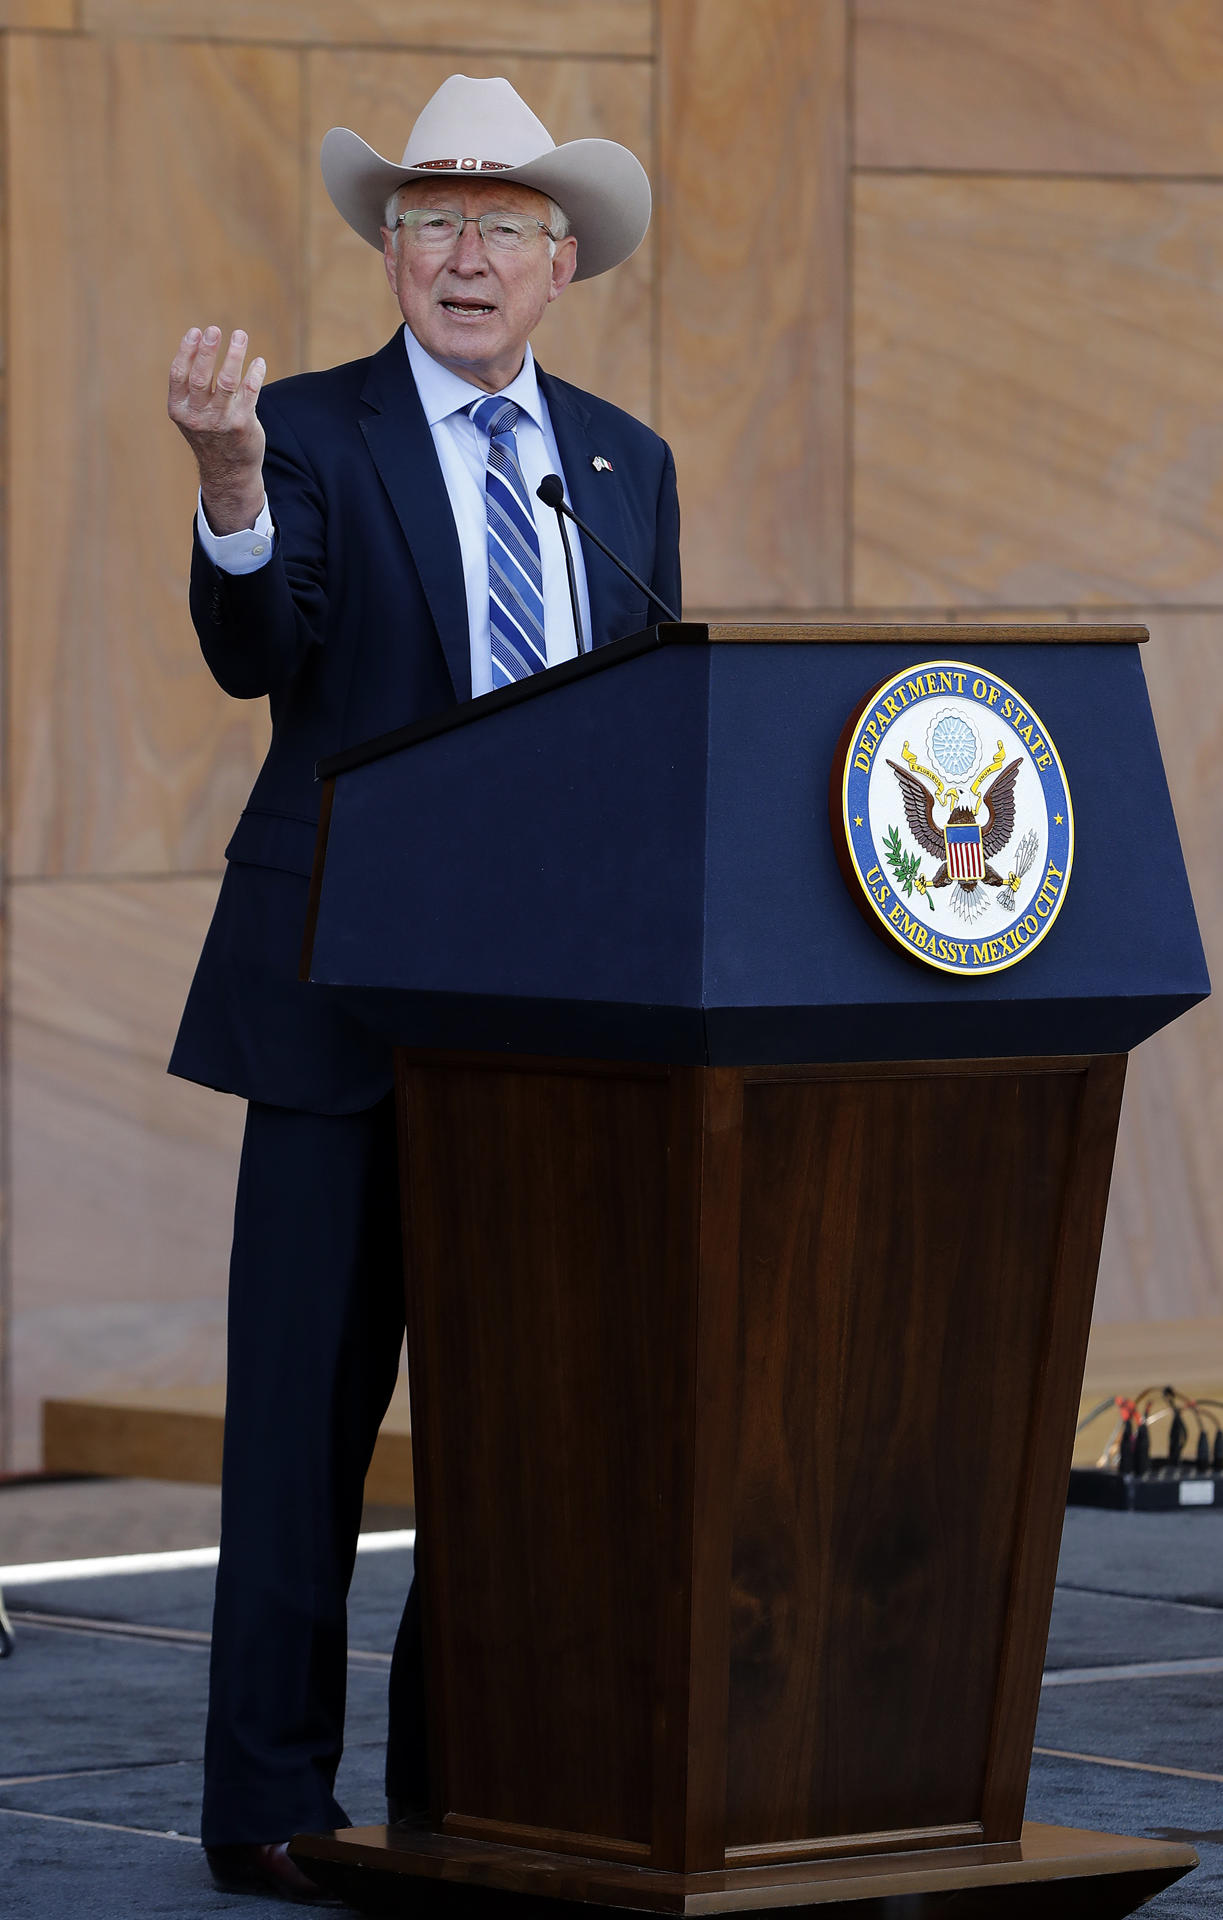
<point x="462" y="166"/>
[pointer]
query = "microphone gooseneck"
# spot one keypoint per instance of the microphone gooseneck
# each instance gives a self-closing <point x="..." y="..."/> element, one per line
<point x="551" y="490"/>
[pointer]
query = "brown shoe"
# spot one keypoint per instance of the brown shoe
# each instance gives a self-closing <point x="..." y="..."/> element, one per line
<point x="250" y="1867"/>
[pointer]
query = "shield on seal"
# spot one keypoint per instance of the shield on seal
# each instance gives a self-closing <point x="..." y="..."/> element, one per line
<point x="965" y="860"/>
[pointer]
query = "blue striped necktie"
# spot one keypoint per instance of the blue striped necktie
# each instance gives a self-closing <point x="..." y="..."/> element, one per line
<point x="515" y="576"/>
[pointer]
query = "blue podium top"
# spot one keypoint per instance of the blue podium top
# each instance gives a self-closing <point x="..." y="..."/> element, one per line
<point x="635" y="862"/>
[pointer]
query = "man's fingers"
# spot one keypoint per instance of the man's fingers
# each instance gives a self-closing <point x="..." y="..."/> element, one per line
<point x="200" y="377"/>
<point x="181" y="364"/>
<point x="239" y="407"/>
<point x="213" y="403"/>
<point x="229" y="373"/>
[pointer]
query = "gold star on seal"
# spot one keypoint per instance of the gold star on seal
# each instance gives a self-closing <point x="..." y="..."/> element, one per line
<point x="857" y="819"/>
<point x="1057" y="820"/>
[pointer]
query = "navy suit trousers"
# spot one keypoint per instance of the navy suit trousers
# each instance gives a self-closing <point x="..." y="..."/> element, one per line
<point x="315" y="1333"/>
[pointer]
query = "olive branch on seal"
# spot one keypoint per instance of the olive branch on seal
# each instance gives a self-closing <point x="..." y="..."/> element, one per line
<point x="905" y="866"/>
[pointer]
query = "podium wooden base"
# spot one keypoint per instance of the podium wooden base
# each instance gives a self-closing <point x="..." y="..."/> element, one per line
<point x="1058" y="1873"/>
<point x="743" y="1403"/>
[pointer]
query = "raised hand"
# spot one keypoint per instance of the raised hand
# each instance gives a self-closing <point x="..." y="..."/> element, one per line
<point x="213" y="408"/>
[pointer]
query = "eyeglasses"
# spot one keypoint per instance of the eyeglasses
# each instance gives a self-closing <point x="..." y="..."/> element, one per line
<point x="436" y="229"/>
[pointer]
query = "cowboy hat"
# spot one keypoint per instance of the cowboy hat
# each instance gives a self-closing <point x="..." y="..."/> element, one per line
<point x="478" y="128"/>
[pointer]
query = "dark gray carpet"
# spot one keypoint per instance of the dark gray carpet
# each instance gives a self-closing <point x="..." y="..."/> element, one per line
<point x="119" y="1726"/>
<point x="50" y="1871"/>
<point x="1168" y="1723"/>
<point x="1069" y="1793"/>
<point x="1114" y="1629"/>
<point x="138" y="1763"/>
<point x="69" y="1700"/>
<point x="1159" y="1556"/>
<point x="183" y="1598"/>
<point x="119" y="1723"/>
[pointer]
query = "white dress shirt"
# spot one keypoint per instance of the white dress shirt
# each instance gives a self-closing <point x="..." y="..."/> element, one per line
<point x="462" y="451"/>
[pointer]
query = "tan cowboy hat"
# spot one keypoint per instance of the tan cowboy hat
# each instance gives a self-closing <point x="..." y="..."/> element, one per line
<point x="480" y="127"/>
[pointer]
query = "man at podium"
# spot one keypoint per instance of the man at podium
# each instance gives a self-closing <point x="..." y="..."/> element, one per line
<point x="369" y="550"/>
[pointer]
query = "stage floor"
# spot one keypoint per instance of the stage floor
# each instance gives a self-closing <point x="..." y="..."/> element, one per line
<point x="102" y="1703"/>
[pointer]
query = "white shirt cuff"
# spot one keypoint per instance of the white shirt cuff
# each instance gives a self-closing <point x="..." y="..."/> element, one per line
<point x="242" y="552"/>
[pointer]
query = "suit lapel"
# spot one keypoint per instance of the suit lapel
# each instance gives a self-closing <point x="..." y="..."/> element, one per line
<point x="401" y="447"/>
<point x="598" y="497"/>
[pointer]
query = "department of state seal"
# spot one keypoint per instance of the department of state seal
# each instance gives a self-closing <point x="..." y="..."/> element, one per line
<point x="952" y="817"/>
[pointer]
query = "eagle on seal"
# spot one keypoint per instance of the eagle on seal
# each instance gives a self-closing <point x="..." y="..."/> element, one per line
<point x="963" y="847"/>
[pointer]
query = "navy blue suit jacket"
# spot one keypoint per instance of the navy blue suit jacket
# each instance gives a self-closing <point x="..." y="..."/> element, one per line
<point x="359" y="624"/>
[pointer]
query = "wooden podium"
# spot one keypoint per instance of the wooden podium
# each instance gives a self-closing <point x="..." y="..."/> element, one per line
<point x="750" y="1270"/>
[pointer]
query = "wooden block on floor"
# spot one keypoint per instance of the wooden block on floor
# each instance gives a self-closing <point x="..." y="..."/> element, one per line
<point x="144" y="1436"/>
<point x="389" y="1481"/>
<point x="162" y="1436"/>
<point x="1126" y="1355"/>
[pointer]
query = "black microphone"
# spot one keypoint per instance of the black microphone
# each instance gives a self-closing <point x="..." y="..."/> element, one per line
<point x="551" y="490"/>
<point x="558" y="503"/>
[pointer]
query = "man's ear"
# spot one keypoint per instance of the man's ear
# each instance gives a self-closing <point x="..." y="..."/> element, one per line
<point x="390" y="258"/>
<point x="564" y="265"/>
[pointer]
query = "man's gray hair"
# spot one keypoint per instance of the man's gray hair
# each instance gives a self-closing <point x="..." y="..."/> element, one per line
<point x="558" y="219"/>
